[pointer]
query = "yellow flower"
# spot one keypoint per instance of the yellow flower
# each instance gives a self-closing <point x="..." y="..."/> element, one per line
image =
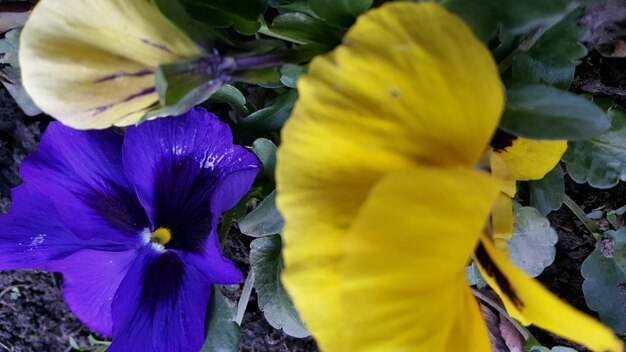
<point x="382" y="199"/>
<point x="517" y="159"/>
<point x="90" y="64"/>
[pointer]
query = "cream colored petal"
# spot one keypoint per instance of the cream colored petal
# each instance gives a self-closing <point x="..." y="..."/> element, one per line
<point x="90" y="63"/>
<point x="403" y="285"/>
<point x="530" y="303"/>
<point x="528" y="159"/>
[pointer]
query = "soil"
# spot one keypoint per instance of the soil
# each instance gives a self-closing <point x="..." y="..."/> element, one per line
<point x="33" y="316"/>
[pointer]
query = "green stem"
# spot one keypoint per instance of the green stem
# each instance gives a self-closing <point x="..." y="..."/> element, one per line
<point x="245" y="297"/>
<point x="227" y="220"/>
<point x="582" y="216"/>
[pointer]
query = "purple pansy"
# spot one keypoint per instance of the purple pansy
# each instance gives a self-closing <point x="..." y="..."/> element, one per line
<point x="131" y="222"/>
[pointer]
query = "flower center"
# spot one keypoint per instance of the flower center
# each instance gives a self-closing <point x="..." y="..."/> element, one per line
<point x="162" y="235"/>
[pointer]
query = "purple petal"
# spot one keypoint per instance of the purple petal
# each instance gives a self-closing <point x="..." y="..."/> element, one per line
<point x="161" y="303"/>
<point x="81" y="172"/>
<point x="32" y="234"/>
<point x="90" y="280"/>
<point x="186" y="171"/>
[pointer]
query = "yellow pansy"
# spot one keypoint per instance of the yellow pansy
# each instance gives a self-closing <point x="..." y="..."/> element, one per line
<point x="90" y="63"/>
<point x="382" y="198"/>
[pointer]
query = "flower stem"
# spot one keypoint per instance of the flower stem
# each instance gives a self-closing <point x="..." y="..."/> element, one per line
<point x="224" y="230"/>
<point x="502" y="311"/>
<point x="582" y="216"/>
<point x="245" y="297"/>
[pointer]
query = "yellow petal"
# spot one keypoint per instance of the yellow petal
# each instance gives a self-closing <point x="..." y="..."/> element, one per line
<point x="528" y="159"/>
<point x="530" y="303"/>
<point x="403" y="285"/>
<point x="500" y="170"/>
<point x="410" y="81"/>
<point x="502" y="220"/>
<point x="90" y="64"/>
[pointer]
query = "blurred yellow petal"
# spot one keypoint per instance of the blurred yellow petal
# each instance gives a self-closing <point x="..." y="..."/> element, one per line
<point x="528" y="159"/>
<point x="90" y="64"/>
<point x="530" y="303"/>
<point x="410" y="82"/>
<point x="500" y="170"/>
<point x="403" y="285"/>
<point x="353" y="124"/>
<point x="502" y="220"/>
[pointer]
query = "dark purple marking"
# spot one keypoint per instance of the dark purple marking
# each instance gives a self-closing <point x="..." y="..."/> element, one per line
<point x="123" y="74"/>
<point x="145" y="91"/>
<point x="156" y="45"/>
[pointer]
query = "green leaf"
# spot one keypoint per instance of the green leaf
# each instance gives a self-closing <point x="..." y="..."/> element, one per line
<point x="553" y="57"/>
<point x="264" y="220"/>
<point x="521" y="16"/>
<point x="221" y="331"/>
<point x="290" y="74"/>
<point x="526" y="69"/>
<point x="600" y="161"/>
<point x="11" y="76"/>
<point x="532" y="245"/>
<point x="473" y="275"/>
<point x="263" y="77"/>
<point x="273" y="117"/>
<point x="541" y="112"/>
<point x="305" y="29"/>
<point x="561" y="44"/>
<point x="185" y="84"/>
<point x="480" y="15"/>
<point x="231" y="96"/>
<point x="200" y="34"/>
<point x="548" y="193"/>
<point x="604" y="286"/>
<point x="266" y="262"/>
<point x="243" y="15"/>
<point x="340" y="13"/>
<point x="265" y="150"/>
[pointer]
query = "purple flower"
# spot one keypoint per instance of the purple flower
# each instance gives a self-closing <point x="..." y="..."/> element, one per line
<point x="131" y="222"/>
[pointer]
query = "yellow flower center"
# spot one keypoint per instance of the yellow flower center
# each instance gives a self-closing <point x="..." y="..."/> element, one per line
<point x="161" y="235"/>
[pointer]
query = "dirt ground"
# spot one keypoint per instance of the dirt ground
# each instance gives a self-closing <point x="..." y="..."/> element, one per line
<point x="33" y="316"/>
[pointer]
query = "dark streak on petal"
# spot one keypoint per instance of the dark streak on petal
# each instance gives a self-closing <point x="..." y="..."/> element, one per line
<point x="162" y="278"/>
<point x="145" y="91"/>
<point x="490" y="267"/>
<point x="156" y="45"/>
<point x="123" y="74"/>
<point x="502" y="140"/>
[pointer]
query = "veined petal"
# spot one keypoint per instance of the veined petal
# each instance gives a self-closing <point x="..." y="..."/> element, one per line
<point x="90" y="280"/>
<point x="403" y="282"/>
<point x="187" y="171"/>
<point x="91" y="64"/>
<point x="530" y="303"/>
<point x="32" y="235"/>
<point x="81" y="173"/>
<point x="528" y="159"/>
<point x="161" y="303"/>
